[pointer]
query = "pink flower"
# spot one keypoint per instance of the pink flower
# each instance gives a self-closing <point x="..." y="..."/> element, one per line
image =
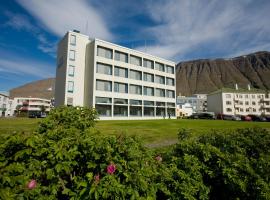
<point x="32" y="184"/>
<point x="159" y="158"/>
<point x="97" y="178"/>
<point x="111" y="168"/>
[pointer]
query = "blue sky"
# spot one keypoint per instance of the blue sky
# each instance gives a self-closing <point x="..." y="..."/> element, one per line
<point x="174" y="29"/>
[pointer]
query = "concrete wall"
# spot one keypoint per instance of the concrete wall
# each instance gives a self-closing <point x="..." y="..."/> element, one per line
<point x="214" y="103"/>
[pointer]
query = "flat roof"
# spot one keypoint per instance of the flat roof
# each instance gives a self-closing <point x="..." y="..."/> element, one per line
<point x="116" y="45"/>
<point x="240" y="90"/>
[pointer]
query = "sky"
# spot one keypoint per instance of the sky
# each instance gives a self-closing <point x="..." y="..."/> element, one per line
<point x="178" y="30"/>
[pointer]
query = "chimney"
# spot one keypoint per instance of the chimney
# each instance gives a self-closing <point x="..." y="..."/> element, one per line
<point x="236" y="86"/>
<point x="248" y="86"/>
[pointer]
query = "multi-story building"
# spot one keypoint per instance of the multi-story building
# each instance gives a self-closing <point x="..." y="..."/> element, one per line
<point x="30" y="105"/>
<point x="239" y="101"/>
<point x="4" y="104"/>
<point x="198" y="102"/>
<point x="121" y="83"/>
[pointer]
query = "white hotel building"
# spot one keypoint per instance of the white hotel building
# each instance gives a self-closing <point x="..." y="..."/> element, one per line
<point x="121" y="83"/>
<point x="239" y="101"/>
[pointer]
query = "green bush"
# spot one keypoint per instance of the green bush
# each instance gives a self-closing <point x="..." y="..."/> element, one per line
<point x="66" y="158"/>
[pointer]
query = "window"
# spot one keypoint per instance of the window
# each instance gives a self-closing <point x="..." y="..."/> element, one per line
<point x="120" y="87"/>
<point x="70" y="86"/>
<point x="160" y="79"/>
<point x="104" y="52"/>
<point x="71" y="69"/>
<point x="228" y="103"/>
<point x="170" y="104"/>
<point x="240" y="96"/>
<point x="73" y="40"/>
<point x="104" y="69"/>
<point x="148" y="77"/>
<point x="120" y="111"/>
<point x="228" y="109"/>
<point x="247" y="103"/>
<point x="246" y="96"/>
<point x="135" y="89"/>
<point x="119" y="56"/>
<point x="120" y="101"/>
<point x="137" y="75"/>
<point x="247" y="109"/>
<point x="241" y="110"/>
<point x="253" y="96"/>
<point x="170" y="81"/>
<point x="148" y="63"/>
<point x="135" y="60"/>
<point x="135" y="111"/>
<point x="69" y="101"/>
<point x="104" y="100"/>
<point x="71" y="55"/>
<point x="135" y="102"/>
<point x="149" y="111"/>
<point x="228" y="96"/>
<point x="253" y="103"/>
<point x="104" y="85"/>
<point x="148" y="91"/>
<point x="160" y="67"/>
<point x="104" y="110"/>
<point x="240" y="102"/>
<point x="160" y="92"/>
<point x="170" y="94"/>
<point x="148" y="103"/>
<point x="162" y="104"/>
<point x="170" y="69"/>
<point x="254" y="109"/>
<point x="121" y="72"/>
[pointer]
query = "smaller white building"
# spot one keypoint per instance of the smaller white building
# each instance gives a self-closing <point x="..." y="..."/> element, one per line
<point x="4" y="104"/>
<point x="198" y="102"/>
<point x="29" y="105"/>
<point x="184" y="110"/>
<point x="239" y="101"/>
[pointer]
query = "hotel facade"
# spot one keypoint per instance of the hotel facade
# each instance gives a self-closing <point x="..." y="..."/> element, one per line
<point x="120" y="83"/>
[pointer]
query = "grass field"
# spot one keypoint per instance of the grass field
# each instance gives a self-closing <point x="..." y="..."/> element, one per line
<point x="152" y="131"/>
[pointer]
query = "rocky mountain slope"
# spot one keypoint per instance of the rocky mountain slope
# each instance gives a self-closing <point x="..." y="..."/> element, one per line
<point x="40" y="89"/>
<point x="204" y="76"/>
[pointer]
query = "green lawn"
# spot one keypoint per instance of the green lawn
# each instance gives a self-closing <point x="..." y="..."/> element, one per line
<point x="152" y="131"/>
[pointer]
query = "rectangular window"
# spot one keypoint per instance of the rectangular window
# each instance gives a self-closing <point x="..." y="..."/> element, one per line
<point x="149" y="111"/>
<point x="104" y="52"/>
<point x="135" y="111"/>
<point x="170" y="69"/>
<point x="119" y="56"/>
<point x="148" y="91"/>
<point x="148" y="77"/>
<point x="161" y="104"/>
<point x="103" y="100"/>
<point x="104" y="110"/>
<point x="170" y="81"/>
<point x="121" y="87"/>
<point x="247" y="103"/>
<point x="160" y="92"/>
<point x="148" y="63"/>
<point x="104" y="85"/>
<point x="135" y="89"/>
<point x="121" y="72"/>
<point x="135" y="102"/>
<point x="160" y="79"/>
<point x="135" y="60"/>
<point x="170" y="94"/>
<point x="120" y="101"/>
<point x="71" y="70"/>
<point x="228" y="109"/>
<point x="228" y="103"/>
<point x="73" y="40"/>
<point x="137" y="75"/>
<point x="170" y="104"/>
<point x="148" y="103"/>
<point x="104" y="69"/>
<point x="71" y="55"/>
<point x="70" y="86"/>
<point x="160" y="67"/>
<point x="120" y="110"/>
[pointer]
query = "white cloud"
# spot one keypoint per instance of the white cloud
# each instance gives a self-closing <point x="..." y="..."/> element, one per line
<point x="21" y="66"/>
<point x="186" y="26"/>
<point x="60" y="16"/>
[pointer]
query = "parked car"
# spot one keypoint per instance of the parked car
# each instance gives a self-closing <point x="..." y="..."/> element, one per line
<point x="257" y="118"/>
<point x="229" y="117"/>
<point x="202" y="116"/>
<point x="246" y="118"/>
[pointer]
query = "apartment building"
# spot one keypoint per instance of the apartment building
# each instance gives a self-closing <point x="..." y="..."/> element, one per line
<point x="29" y="105"/>
<point x="121" y="83"/>
<point x="4" y="104"/>
<point x="198" y="102"/>
<point x="239" y="101"/>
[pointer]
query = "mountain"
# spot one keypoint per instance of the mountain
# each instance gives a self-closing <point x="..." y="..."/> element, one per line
<point x="208" y="75"/>
<point x="40" y="89"/>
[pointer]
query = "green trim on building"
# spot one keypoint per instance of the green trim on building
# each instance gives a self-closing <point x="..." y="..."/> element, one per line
<point x="240" y="90"/>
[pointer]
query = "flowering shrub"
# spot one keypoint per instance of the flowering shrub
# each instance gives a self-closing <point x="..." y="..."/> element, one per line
<point x="66" y="158"/>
